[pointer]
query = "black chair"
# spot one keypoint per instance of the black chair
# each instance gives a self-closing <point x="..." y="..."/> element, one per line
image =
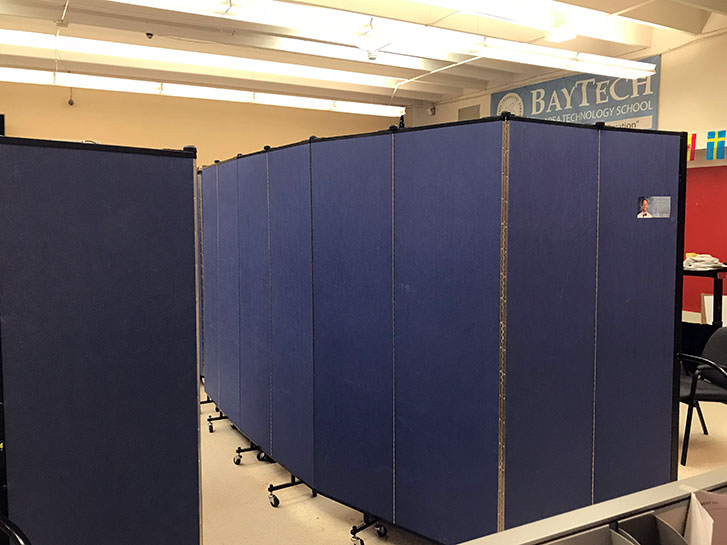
<point x="705" y="381"/>
<point x="10" y="529"/>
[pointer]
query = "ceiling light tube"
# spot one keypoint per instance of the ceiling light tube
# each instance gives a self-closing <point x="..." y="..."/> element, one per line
<point x="563" y="59"/>
<point x="177" y="56"/>
<point x="103" y="83"/>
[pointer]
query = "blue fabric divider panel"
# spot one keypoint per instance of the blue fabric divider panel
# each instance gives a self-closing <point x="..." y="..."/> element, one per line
<point x="636" y="282"/>
<point x="292" y="313"/>
<point x="255" y="324"/>
<point x="97" y="301"/>
<point x="229" y="292"/>
<point x="352" y="243"/>
<point x="210" y="283"/>
<point x="447" y="230"/>
<point x="551" y="277"/>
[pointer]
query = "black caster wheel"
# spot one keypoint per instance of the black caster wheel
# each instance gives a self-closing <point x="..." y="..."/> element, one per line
<point x="260" y="456"/>
<point x="274" y="501"/>
<point x="237" y="460"/>
<point x="381" y="531"/>
<point x="313" y="493"/>
<point x="217" y="409"/>
<point x="211" y="427"/>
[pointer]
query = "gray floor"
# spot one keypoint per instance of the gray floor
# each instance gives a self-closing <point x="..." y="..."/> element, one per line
<point x="236" y="509"/>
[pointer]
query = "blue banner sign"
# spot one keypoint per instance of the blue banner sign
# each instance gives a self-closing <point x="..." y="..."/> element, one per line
<point x="587" y="98"/>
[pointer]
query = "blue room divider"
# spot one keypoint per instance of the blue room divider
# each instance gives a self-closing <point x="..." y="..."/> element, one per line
<point x="636" y="277"/>
<point x="97" y="323"/>
<point x="551" y="278"/>
<point x="255" y="322"/>
<point x="461" y="328"/>
<point x="291" y="299"/>
<point x="210" y="282"/>
<point x="228" y="303"/>
<point x="352" y="274"/>
<point x="447" y="251"/>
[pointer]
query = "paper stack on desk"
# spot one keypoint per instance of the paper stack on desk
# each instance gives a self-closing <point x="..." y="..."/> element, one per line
<point x="707" y="519"/>
<point x="702" y="262"/>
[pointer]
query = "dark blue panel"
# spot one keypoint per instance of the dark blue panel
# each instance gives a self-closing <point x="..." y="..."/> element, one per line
<point x="210" y="283"/>
<point x="98" y="346"/>
<point x="635" y="314"/>
<point x="551" y="277"/>
<point x="353" y="324"/>
<point x="292" y="313"/>
<point x="447" y="225"/>
<point x="229" y="292"/>
<point x="255" y="324"/>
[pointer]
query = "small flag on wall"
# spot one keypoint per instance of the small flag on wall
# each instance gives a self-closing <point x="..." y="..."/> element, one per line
<point x="692" y="146"/>
<point x="716" y="144"/>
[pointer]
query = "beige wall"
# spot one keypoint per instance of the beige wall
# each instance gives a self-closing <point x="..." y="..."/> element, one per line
<point x="693" y="87"/>
<point x="219" y="129"/>
<point x="691" y="95"/>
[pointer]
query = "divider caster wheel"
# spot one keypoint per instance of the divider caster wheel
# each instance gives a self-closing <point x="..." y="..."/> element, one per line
<point x="260" y="456"/>
<point x="274" y="501"/>
<point x="313" y="493"/>
<point x="237" y="460"/>
<point x="357" y="540"/>
<point x="211" y="427"/>
<point x="380" y="530"/>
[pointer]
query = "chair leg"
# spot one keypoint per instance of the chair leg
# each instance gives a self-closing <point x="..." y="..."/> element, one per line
<point x="690" y="409"/>
<point x="687" y="428"/>
<point x="701" y="418"/>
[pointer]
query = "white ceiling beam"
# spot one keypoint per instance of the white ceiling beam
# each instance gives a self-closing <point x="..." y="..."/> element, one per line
<point x="716" y="6"/>
<point x="671" y="14"/>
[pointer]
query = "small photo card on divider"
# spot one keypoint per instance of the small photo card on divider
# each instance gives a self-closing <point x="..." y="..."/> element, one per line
<point x="653" y="207"/>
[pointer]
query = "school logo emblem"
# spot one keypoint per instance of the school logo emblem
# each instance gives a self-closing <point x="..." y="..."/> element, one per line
<point x="512" y="103"/>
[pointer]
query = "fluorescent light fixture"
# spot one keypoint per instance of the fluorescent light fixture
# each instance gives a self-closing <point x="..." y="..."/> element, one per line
<point x="563" y="59"/>
<point x="20" y="75"/>
<point x="101" y="83"/>
<point x="208" y="61"/>
<point x="387" y="36"/>
<point x="82" y="81"/>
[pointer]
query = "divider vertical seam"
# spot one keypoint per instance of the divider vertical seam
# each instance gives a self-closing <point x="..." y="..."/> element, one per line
<point x="270" y="301"/>
<point x="240" y="305"/>
<point x="393" y="329"/>
<point x="313" y="301"/>
<point x="595" y="321"/>
<point x="239" y="292"/>
<point x="198" y="277"/>
<point x="505" y="184"/>
<point x="217" y="299"/>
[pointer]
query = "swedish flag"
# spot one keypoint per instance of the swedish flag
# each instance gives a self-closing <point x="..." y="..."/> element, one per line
<point x="716" y="144"/>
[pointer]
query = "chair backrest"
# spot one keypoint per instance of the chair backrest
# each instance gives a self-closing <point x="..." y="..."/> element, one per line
<point x="716" y="350"/>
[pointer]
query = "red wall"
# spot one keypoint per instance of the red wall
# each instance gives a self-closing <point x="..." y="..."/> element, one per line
<point x="705" y="225"/>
